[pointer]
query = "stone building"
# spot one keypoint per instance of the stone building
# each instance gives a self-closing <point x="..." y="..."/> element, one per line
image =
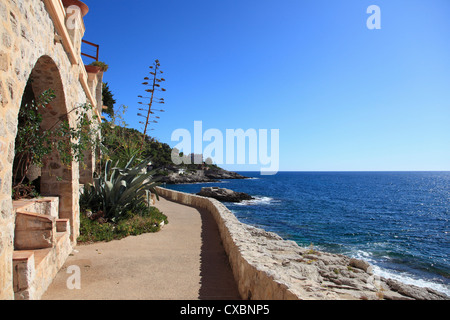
<point x="41" y="40"/>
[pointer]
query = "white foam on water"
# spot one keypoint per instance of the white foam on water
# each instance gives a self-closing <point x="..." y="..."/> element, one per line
<point x="408" y="279"/>
<point x="402" y="277"/>
<point x="257" y="201"/>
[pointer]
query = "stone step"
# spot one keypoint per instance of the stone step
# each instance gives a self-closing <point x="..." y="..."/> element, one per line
<point x="62" y="225"/>
<point x="35" y="231"/>
<point x="23" y="273"/>
<point x="45" y="205"/>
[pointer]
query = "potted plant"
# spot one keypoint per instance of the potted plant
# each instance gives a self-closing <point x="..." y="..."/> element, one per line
<point x="96" y="67"/>
<point x="103" y="66"/>
<point x="92" y="69"/>
<point x="83" y="7"/>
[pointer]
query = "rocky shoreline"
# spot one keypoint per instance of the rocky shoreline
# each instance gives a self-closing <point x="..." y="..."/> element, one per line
<point x="309" y="273"/>
<point x="198" y="176"/>
<point x="326" y="275"/>
<point x="315" y="274"/>
<point x="266" y="266"/>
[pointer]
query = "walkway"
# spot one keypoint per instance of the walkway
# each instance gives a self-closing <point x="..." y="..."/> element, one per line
<point x="183" y="261"/>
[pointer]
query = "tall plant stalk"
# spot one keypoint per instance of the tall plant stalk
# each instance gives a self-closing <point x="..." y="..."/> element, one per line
<point x="154" y="86"/>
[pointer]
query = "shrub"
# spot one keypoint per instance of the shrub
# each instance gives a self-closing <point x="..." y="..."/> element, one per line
<point x="119" y="190"/>
<point x="144" y="220"/>
<point x="91" y="231"/>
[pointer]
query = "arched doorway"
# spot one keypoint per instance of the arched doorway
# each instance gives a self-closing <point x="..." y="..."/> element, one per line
<point x="54" y="178"/>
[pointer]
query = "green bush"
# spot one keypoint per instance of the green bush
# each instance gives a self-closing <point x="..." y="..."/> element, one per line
<point x="143" y="220"/>
<point x="92" y="231"/>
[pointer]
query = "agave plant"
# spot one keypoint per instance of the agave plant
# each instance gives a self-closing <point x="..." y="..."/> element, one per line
<point x="120" y="189"/>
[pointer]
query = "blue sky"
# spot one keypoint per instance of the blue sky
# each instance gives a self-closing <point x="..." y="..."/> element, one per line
<point x="344" y="98"/>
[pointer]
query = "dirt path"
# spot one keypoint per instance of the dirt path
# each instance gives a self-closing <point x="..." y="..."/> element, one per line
<point x="183" y="261"/>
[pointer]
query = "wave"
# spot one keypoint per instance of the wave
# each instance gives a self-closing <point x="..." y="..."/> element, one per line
<point x="257" y="201"/>
<point x="409" y="279"/>
<point x="402" y="277"/>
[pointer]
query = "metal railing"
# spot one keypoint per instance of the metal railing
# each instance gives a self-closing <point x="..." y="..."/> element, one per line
<point x="94" y="45"/>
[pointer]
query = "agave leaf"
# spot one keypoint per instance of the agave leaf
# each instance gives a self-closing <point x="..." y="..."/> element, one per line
<point x="97" y="186"/>
<point x="130" y="162"/>
<point x="119" y="188"/>
<point x="114" y="171"/>
<point x="119" y="182"/>
<point x="140" y="190"/>
<point x="107" y="168"/>
<point x="108" y="188"/>
<point x="130" y="193"/>
<point x="135" y="191"/>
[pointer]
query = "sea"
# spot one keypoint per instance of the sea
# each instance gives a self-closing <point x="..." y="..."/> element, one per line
<point x="397" y="221"/>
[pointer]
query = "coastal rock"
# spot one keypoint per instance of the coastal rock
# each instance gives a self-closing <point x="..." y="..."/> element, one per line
<point x="361" y="264"/>
<point x="177" y="176"/>
<point x="314" y="274"/>
<point x="223" y="194"/>
<point x="415" y="292"/>
<point x="222" y="174"/>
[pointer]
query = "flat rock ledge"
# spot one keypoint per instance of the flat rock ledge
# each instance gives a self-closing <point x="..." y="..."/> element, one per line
<point x="316" y="275"/>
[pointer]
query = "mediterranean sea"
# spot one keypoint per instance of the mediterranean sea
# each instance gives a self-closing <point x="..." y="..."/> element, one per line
<point x="397" y="221"/>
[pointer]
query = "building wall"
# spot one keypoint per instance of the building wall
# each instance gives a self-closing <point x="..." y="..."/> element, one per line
<point x="29" y="42"/>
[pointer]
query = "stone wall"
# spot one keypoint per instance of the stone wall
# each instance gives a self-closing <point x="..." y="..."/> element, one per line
<point x="255" y="281"/>
<point x="34" y="41"/>
<point x="266" y="267"/>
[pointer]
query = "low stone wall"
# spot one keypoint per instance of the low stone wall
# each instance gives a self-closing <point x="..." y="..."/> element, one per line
<point x="254" y="281"/>
<point x="266" y="267"/>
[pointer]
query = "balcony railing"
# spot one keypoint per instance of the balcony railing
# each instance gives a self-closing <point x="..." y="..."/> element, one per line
<point x="93" y="45"/>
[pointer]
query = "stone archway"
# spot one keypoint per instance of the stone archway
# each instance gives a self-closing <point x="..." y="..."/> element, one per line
<point x="45" y="227"/>
<point x="35" y="41"/>
<point x="56" y="179"/>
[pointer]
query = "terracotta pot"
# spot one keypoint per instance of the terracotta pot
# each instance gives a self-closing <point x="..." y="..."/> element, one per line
<point x="92" y="69"/>
<point x="83" y="7"/>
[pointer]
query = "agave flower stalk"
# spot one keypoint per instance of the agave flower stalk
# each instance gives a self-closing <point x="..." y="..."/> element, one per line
<point x="154" y="86"/>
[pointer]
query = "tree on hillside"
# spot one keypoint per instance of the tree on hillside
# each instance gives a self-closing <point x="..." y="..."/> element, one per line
<point x="121" y="143"/>
<point x="108" y="100"/>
